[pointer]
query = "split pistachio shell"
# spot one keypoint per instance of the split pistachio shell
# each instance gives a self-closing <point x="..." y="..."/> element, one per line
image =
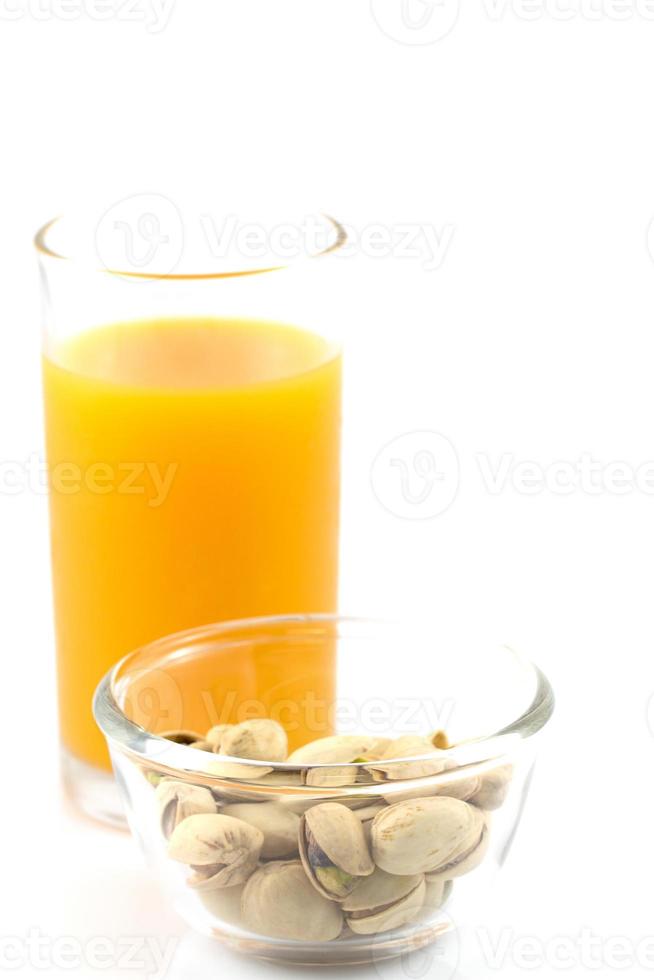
<point x="222" y="850"/>
<point x="383" y="901"/>
<point x="279" y="901"/>
<point x="261" y="739"/>
<point x="333" y="849"/>
<point x="178" y="800"/>
<point x="278" y="824"/>
<point x="434" y="835"/>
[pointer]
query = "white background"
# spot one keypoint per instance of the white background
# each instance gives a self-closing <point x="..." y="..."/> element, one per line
<point x="524" y="135"/>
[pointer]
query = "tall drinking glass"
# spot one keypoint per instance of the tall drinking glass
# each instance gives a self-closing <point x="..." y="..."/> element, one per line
<point x="193" y="441"/>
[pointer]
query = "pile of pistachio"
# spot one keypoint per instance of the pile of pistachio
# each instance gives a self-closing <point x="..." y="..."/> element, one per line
<point x="306" y="870"/>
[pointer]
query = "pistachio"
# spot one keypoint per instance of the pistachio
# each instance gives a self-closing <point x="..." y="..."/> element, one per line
<point x="277" y="823"/>
<point x="366" y="815"/>
<point x="439" y="835"/>
<point x="460" y="786"/>
<point x="203" y="745"/>
<point x="326" y="776"/>
<point x="181" y="736"/>
<point x="222" y="850"/>
<point x="369" y="811"/>
<point x="224" y="903"/>
<point x="440" y="740"/>
<point x="333" y="849"/>
<point x="337" y="748"/>
<point x="236" y="770"/>
<point x="278" y="901"/>
<point x="261" y="739"/>
<point x="258" y="739"/>
<point x="407" y="747"/>
<point x="340" y="748"/>
<point x="286" y="777"/>
<point x="383" y="901"/>
<point x="466" y="862"/>
<point x="178" y="800"/>
<point x="214" y="736"/>
<point x="436" y="894"/>
<point x="494" y="788"/>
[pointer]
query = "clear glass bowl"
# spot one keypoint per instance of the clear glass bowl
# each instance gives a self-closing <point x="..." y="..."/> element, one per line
<point x="438" y="822"/>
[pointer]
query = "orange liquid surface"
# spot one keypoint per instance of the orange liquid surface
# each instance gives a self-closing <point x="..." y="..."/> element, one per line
<point x="195" y="477"/>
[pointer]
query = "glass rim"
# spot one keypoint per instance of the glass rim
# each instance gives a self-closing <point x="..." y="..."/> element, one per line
<point x="485" y="751"/>
<point x="46" y="250"/>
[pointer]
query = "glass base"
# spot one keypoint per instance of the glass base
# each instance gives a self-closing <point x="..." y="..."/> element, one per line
<point x="356" y="951"/>
<point x="93" y="791"/>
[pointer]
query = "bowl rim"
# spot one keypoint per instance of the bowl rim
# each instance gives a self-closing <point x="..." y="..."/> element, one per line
<point x="156" y="751"/>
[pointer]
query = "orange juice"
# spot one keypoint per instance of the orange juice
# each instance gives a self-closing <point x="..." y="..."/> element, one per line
<point x="194" y="469"/>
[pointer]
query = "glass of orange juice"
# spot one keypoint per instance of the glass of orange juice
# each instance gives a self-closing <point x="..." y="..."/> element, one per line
<point x="192" y="404"/>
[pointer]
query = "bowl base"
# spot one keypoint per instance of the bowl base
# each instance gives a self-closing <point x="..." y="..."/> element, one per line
<point x="359" y="951"/>
<point x="93" y="791"/>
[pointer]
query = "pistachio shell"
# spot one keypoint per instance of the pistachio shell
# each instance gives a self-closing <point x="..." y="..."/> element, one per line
<point x="222" y="850"/>
<point x="383" y="901"/>
<point x="261" y="739"/>
<point x="333" y="849"/>
<point x="178" y="800"/>
<point x="203" y="746"/>
<point x="427" y="835"/>
<point x="278" y="824"/>
<point x="278" y="901"/>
